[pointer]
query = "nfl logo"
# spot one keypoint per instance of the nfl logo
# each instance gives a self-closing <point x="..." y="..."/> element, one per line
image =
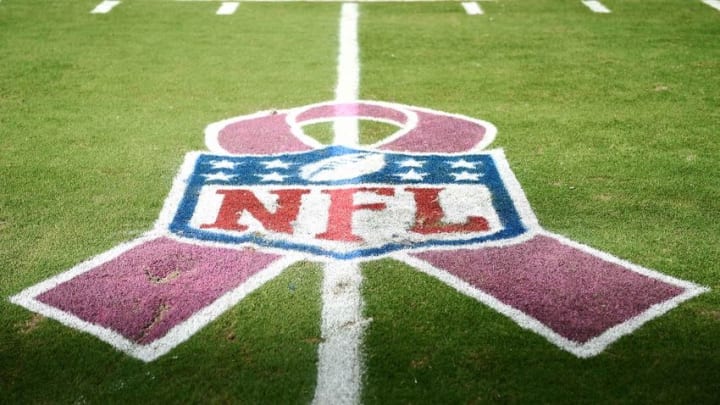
<point x="346" y="203"/>
<point x="268" y="196"/>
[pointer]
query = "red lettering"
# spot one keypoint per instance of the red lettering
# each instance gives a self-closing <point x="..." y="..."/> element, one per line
<point x="429" y="215"/>
<point x="341" y="210"/>
<point x="235" y="202"/>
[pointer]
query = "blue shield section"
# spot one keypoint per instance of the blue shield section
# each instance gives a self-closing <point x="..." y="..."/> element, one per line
<point x="337" y="167"/>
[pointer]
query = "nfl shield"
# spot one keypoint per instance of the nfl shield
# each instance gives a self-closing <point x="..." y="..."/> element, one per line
<point x="346" y="203"/>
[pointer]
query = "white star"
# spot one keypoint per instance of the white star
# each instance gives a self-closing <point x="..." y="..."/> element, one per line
<point x="464" y="175"/>
<point x="276" y="164"/>
<point x="411" y="163"/>
<point x="223" y="164"/>
<point x="411" y="175"/>
<point x="218" y="176"/>
<point x="463" y="164"/>
<point x="274" y="176"/>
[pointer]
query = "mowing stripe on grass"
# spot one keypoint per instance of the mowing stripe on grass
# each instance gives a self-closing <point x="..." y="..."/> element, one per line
<point x="472" y="8"/>
<point x="227" y="8"/>
<point x="713" y="3"/>
<point x="339" y="355"/>
<point x="105" y="7"/>
<point x="596" y="6"/>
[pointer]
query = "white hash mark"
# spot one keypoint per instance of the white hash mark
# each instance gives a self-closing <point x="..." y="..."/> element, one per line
<point x="105" y="7"/>
<point x="472" y="8"/>
<point x="596" y="6"/>
<point x="227" y="8"/>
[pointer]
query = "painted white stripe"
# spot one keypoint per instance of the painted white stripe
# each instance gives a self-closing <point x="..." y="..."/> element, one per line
<point x="227" y="8"/>
<point x="104" y="7"/>
<point x="713" y="3"/>
<point x="472" y="8"/>
<point x="348" y="70"/>
<point x="329" y="1"/>
<point x="340" y="354"/>
<point x="596" y="6"/>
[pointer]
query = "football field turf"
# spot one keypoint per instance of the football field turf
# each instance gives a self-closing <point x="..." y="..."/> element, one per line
<point x="609" y="121"/>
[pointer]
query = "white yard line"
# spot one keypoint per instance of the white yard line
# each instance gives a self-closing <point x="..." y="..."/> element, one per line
<point x="339" y="378"/>
<point x="348" y="67"/>
<point x="472" y="8"/>
<point x="340" y="354"/>
<point x="348" y="73"/>
<point x="713" y="3"/>
<point x="596" y="6"/>
<point x="227" y="8"/>
<point x="104" y="7"/>
<point x="331" y="1"/>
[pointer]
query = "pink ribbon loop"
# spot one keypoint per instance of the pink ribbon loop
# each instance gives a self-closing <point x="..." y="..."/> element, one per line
<point x="419" y="129"/>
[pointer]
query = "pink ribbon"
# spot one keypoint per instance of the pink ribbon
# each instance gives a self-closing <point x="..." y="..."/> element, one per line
<point x="144" y="297"/>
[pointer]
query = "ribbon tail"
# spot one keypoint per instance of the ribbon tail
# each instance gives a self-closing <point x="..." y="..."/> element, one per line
<point x="579" y="298"/>
<point x="149" y="295"/>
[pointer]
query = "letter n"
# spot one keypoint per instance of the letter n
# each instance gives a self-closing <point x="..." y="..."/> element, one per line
<point x="235" y="202"/>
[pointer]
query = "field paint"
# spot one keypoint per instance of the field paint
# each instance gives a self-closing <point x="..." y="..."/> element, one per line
<point x="595" y="345"/>
<point x="105" y="7"/>
<point x="28" y="298"/>
<point x="348" y="68"/>
<point x="713" y="3"/>
<point x="288" y="123"/>
<point x="227" y="8"/>
<point x="340" y="354"/>
<point x="591" y="347"/>
<point x="596" y="6"/>
<point x="348" y="71"/>
<point x="472" y="8"/>
<point x="584" y="339"/>
<point x="327" y="1"/>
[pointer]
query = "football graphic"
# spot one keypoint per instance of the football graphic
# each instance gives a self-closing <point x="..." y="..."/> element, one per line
<point x="343" y="167"/>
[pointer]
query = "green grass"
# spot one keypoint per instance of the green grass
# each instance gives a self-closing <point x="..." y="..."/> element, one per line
<point x="610" y="123"/>
<point x="369" y="132"/>
<point x="267" y="341"/>
<point x="97" y="113"/>
<point x="428" y="344"/>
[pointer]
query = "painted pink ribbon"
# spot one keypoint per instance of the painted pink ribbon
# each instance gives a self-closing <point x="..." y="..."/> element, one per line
<point x="147" y="296"/>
